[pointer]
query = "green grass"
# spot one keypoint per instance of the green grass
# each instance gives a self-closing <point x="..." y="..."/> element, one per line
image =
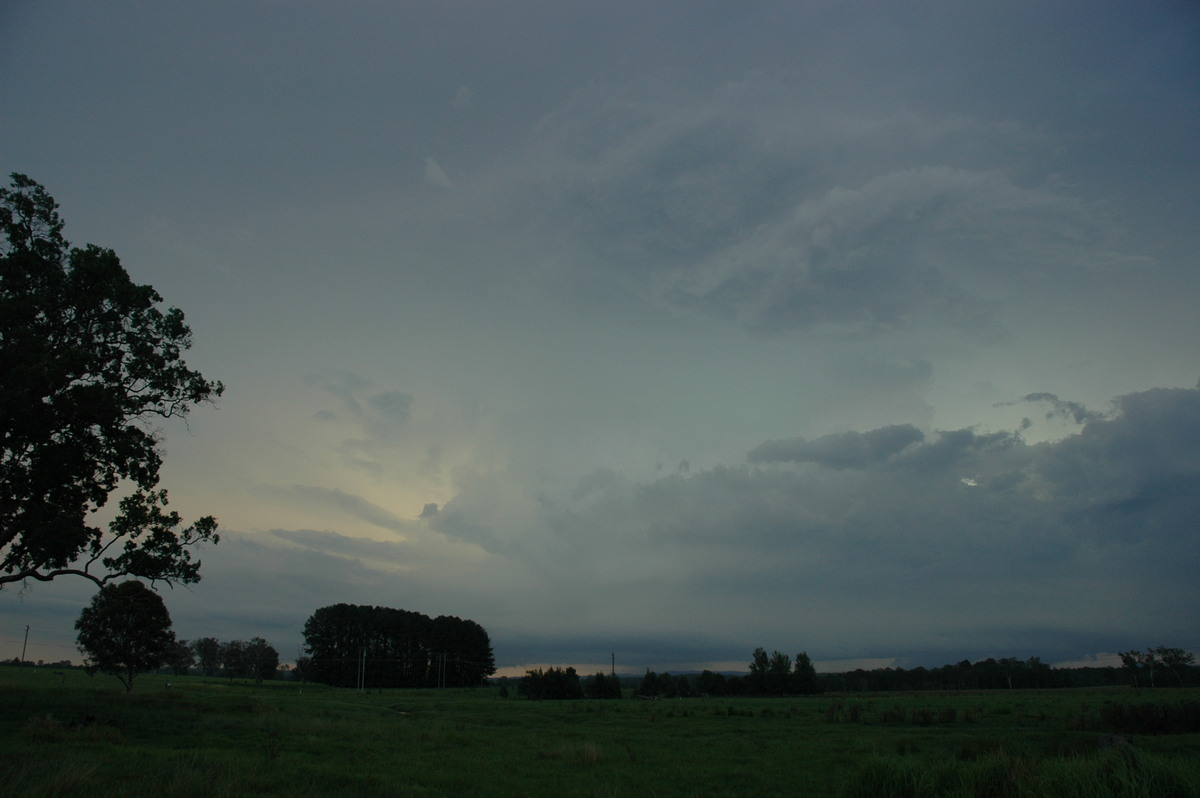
<point x="70" y="734"/>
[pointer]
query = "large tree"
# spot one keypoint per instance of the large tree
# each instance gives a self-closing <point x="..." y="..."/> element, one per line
<point x="126" y="630"/>
<point x="89" y="362"/>
<point x="352" y="644"/>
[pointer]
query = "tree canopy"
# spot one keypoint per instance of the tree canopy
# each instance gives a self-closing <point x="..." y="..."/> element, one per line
<point x="89" y="361"/>
<point x="126" y="630"/>
<point x="351" y="645"/>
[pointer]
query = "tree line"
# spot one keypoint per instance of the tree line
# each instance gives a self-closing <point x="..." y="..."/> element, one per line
<point x="1149" y="668"/>
<point x="351" y="645"/>
<point x="770" y="674"/>
<point x="237" y="659"/>
<point x="776" y="674"/>
<point x="1171" y="661"/>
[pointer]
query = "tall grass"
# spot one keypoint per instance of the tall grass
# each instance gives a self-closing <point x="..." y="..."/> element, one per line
<point x="80" y="736"/>
<point x="1118" y="773"/>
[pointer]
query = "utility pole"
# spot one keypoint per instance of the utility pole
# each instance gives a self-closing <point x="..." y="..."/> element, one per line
<point x="614" y="663"/>
<point x="26" y="643"/>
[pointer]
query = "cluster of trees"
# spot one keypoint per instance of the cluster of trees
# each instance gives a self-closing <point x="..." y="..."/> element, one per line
<point x="564" y="683"/>
<point x="41" y="663"/>
<point x="1143" y="664"/>
<point x="351" y="645"/>
<point x="126" y="630"/>
<point x="664" y="685"/>
<point x="775" y="674"/>
<point x="555" y="684"/>
<point x="778" y="674"/>
<point x="988" y="674"/>
<point x="601" y="685"/>
<point x="1139" y="668"/>
<point x="238" y="659"/>
<point x="770" y="674"/>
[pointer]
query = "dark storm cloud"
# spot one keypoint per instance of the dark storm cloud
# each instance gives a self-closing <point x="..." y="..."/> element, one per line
<point x="965" y="534"/>
<point x="1128" y="476"/>
<point x="1060" y="408"/>
<point x="843" y="450"/>
<point x="745" y="206"/>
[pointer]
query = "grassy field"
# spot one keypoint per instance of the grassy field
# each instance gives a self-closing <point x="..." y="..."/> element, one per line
<point x="65" y="733"/>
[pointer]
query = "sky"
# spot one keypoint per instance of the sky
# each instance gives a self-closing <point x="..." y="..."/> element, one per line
<point x="655" y="331"/>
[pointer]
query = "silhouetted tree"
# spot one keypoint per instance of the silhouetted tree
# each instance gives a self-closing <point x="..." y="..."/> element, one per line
<point x="208" y="655"/>
<point x="602" y="685"/>
<point x="1138" y="663"/>
<point x="467" y="650"/>
<point x="124" y="631"/>
<point x="553" y="684"/>
<point x="262" y="660"/>
<point x="653" y="685"/>
<point x="760" y="664"/>
<point x="1144" y="663"/>
<point x="1175" y="660"/>
<point x="234" y="661"/>
<point x="181" y="658"/>
<point x="779" y="670"/>
<point x="88" y="360"/>
<point x="709" y="683"/>
<point x="804" y="675"/>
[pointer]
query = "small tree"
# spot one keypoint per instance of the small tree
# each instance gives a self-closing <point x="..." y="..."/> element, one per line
<point x="711" y="684"/>
<point x="779" y="669"/>
<point x="760" y="664"/>
<point x="124" y="631"/>
<point x="804" y="675"/>
<point x="208" y="655"/>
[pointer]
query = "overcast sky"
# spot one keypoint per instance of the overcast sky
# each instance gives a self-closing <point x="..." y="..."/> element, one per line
<point x="665" y="329"/>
